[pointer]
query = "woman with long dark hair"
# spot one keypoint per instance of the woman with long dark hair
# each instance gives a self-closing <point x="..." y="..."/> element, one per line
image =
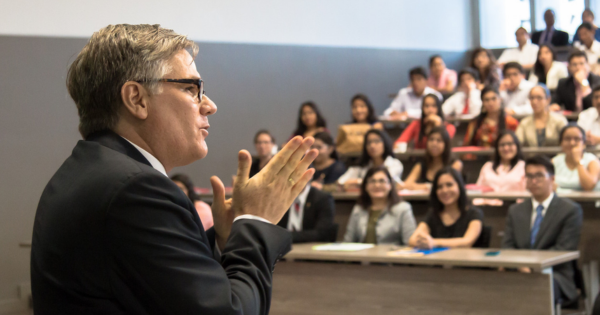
<point x="506" y="172"/>
<point x="327" y="166"/>
<point x="546" y="69"/>
<point x="363" y="111"/>
<point x="485" y="63"/>
<point x="310" y="120"/>
<point x="187" y="186"/>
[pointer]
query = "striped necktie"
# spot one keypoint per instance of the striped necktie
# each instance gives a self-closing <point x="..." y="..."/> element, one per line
<point x="536" y="224"/>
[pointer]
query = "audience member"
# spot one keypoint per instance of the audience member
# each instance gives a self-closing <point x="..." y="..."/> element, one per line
<point x="264" y="143"/>
<point x="546" y="69"/>
<point x="547" y="222"/>
<point x="363" y="111"/>
<point x="485" y="63"/>
<point x="467" y="99"/>
<point x="380" y="217"/>
<point x="587" y="43"/>
<point x="377" y="151"/>
<point x="438" y="155"/>
<point x="514" y="90"/>
<point x="441" y="78"/>
<point x="589" y="119"/>
<point x="310" y="218"/>
<point x="484" y="129"/>
<point x="188" y="188"/>
<point x="575" y="168"/>
<point x="525" y="54"/>
<point x="588" y="16"/>
<point x="543" y="127"/>
<point x="310" y="121"/>
<point x="431" y="117"/>
<point x="506" y="172"/>
<point x="450" y="221"/>
<point x="572" y="91"/>
<point x="327" y="166"/>
<point x="550" y="35"/>
<point x="408" y="101"/>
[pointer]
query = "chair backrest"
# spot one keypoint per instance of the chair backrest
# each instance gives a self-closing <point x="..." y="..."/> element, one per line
<point x="484" y="238"/>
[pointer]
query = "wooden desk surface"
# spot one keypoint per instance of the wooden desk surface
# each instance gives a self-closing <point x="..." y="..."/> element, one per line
<point x="472" y="257"/>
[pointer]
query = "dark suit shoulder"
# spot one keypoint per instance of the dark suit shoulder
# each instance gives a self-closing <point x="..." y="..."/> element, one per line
<point x="566" y="204"/>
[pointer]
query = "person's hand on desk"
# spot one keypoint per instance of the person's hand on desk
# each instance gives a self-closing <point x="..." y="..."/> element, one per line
<point x="395" y="115"/>
<point x="592" y="139"/>
<point x="425" y="241"/>
<point x="352" y="184"/>
<point x="509" y="111"/>
<point x="524" y="270"/>
<point x="434" y="120"/>
<point x="555" y="107"/>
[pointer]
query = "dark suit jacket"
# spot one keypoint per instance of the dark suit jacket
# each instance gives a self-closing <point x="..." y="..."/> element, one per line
<point x="565" y="93"/>
<point x="114" y="236"/>
<point x="560" y="230"/>
<point x="559" y="38"/>
<point x="317" y="219"/>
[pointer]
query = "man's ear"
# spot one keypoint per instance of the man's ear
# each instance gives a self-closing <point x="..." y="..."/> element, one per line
<point x="135" y="97"/>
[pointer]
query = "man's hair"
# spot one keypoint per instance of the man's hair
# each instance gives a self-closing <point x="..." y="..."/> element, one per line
<point x="542" y="161"/>
<point x="585" y="25"/>
<point x="521" y="28"/>
<point x="433" y="58"/>
<point x="114" y="55"/>
<point x="588" y="11"/>
<point x="264" y="132"/>
<point x="417" y="71"/>
<point x="596" y="89"/>
<point x="513" y="65"/>
<point x="577" y="53"/>
<point x="470" y="71"/>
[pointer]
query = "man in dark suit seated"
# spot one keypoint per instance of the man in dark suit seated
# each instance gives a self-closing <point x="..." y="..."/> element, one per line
<point x="113" y="234"/>
<point x="550" y="35"/>
<point x="546" y="222"/>
<point x="310" y="218"/>
<point x="574" y="92"/>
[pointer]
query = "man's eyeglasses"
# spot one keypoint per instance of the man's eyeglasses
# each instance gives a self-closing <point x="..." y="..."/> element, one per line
<point x="535" y="176"/>
<point x="197" y="82"/>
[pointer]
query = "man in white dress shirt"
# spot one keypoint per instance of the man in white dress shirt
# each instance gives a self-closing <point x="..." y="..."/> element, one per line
<point x="587" y="43"/>
<point x="589" y="119"/>
<point x="525" y="53"/>
<point x="409" y="99"/>
<point x="514" y="90"/>
<point x="467" y="99"/>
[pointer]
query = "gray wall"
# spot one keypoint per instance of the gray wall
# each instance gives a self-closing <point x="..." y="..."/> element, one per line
<point x="254" y="86"/>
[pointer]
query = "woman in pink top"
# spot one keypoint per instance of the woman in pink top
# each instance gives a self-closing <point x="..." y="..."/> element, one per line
<point x="441" y="78"/>
<point x="203" y="209"/>
<point x="507" y="171"/>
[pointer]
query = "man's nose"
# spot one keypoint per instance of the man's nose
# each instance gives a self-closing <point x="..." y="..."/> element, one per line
<point x="207" y="106"/>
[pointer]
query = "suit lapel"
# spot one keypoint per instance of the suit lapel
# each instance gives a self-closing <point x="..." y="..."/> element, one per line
<point x="551" y="212"/>
<point x="111" y="140"/>
<point x="524" y="223"/>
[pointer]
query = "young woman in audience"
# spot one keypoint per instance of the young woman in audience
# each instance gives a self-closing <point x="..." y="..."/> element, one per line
<point x="441" y="78"/>
<point x="546" y="69"/>
<point x="203" y="209"/>
<point x="263" y="143"/>
<point x="363" y="111"/>
<point x="377" y="151"/>
<point x="380" y="217"/>
<point x="543" y="127"/>
<point x="438" y="154"/>
<point x="450" y="221"/>
<point x="492" y="120"/>
<point x="431" y="117"/>
<point x="574" y="168"/>
<point x="310" y="121"/>
<point x="327" y="167"/>
<point x="506" y="172"/>
<point x="489" y="73"/>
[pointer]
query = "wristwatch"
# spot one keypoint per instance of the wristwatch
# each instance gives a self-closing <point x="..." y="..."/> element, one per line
<point x="585" y="82"/>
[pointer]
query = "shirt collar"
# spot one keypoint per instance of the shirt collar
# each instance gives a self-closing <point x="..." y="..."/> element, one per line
<point x="304" y="194"/>
<point x="153" y="161"/>
<point x="545" y="203"/>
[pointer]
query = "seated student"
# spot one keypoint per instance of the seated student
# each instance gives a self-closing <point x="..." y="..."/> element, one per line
<point x="203" y="209"/>
<point x="327" y="166"/>
<point x="377" y="151"/>
<point x="588" y="16"/>
<point x="587" y="43"/>
<point x="589" y="119"/>
<point x="572" y="91"/>
<point x="525" y="54"/>
<point x="543" y="127"/>
<point x="264" y="143"/>
<point x="575" y="168"/>
<point x="485" y="63"/>
<point x="546" y="69"/>
<point x="431" y="117"/>
<point x="438" y="155"/>
<point x="514" y="90"/>
<point x="467" y="99"/>
<point x="310" y="121"/>
<point x="507" y="171"/>
<point x="380" y="217"/>
<point x="363" y="111"/>
<point x="547" y="222"/>
<point x="441" y="78"/>
<point x="450" y="221"/>
<point x="484" y="129"/>
<point x="550" y="35"/>
<point x="408" y="101"/>
<point x="310" y="217"/>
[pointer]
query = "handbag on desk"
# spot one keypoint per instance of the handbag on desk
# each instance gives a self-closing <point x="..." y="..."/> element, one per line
<point x="350" y="138"/>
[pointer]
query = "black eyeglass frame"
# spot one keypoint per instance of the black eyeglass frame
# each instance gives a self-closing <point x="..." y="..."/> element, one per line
<point x="198" y="82"/>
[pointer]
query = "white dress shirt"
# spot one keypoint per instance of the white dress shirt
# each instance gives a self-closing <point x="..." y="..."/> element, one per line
<point x="393" y="165"/>
<point x="592" y="53"/>
<point x="545" y="204"/>
<point x="295" y="218"/>
<point x="407" y="101"/>
<point x="558" y="70"/>
<point x="518" y="100"/>
<point x="589" y="120"/>
<point x="455" y="104"/>
<point x="525" y="56"/>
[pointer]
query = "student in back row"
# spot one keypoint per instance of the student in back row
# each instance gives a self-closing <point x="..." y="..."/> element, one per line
<point x="467" y="99"/>
<point x="363" y="111"/>
<point x="550" y="35"/>
<point x="543" y="127"/>
<point x="408" y="101"/>
<point x="572" y="92"/>
<point x="589" y="119"/>
<point x="525" y="54"/>
<point x="514" y="90"/>
<point x="264" y="143"/>
<point x="587" y="43"/>
<point x="328" y="168"/>
<point x="484" y="62"/>
<point x="310" y="121"/>
<point x="441" y="78"/>
<point x="546" y="69"/>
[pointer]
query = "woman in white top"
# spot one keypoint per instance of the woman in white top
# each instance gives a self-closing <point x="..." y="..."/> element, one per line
<point x="377" y="151"/>
<point x="546" y="69"/>
<point x="575" y="169"/>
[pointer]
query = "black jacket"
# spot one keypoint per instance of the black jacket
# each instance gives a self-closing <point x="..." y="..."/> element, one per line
<point x="114" y="236"/>
<point x="317" y="219"/>
<point x="565" y="93"/>
<point x="559" y="38"/>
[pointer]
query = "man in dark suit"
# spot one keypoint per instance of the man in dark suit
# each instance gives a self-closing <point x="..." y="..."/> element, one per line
<point x="546" y="222"/>
<point x="550" y="35"/>
<point x="574" y="92"/>
<point x="310" y="218"/>
<point x="113" y="234"/>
